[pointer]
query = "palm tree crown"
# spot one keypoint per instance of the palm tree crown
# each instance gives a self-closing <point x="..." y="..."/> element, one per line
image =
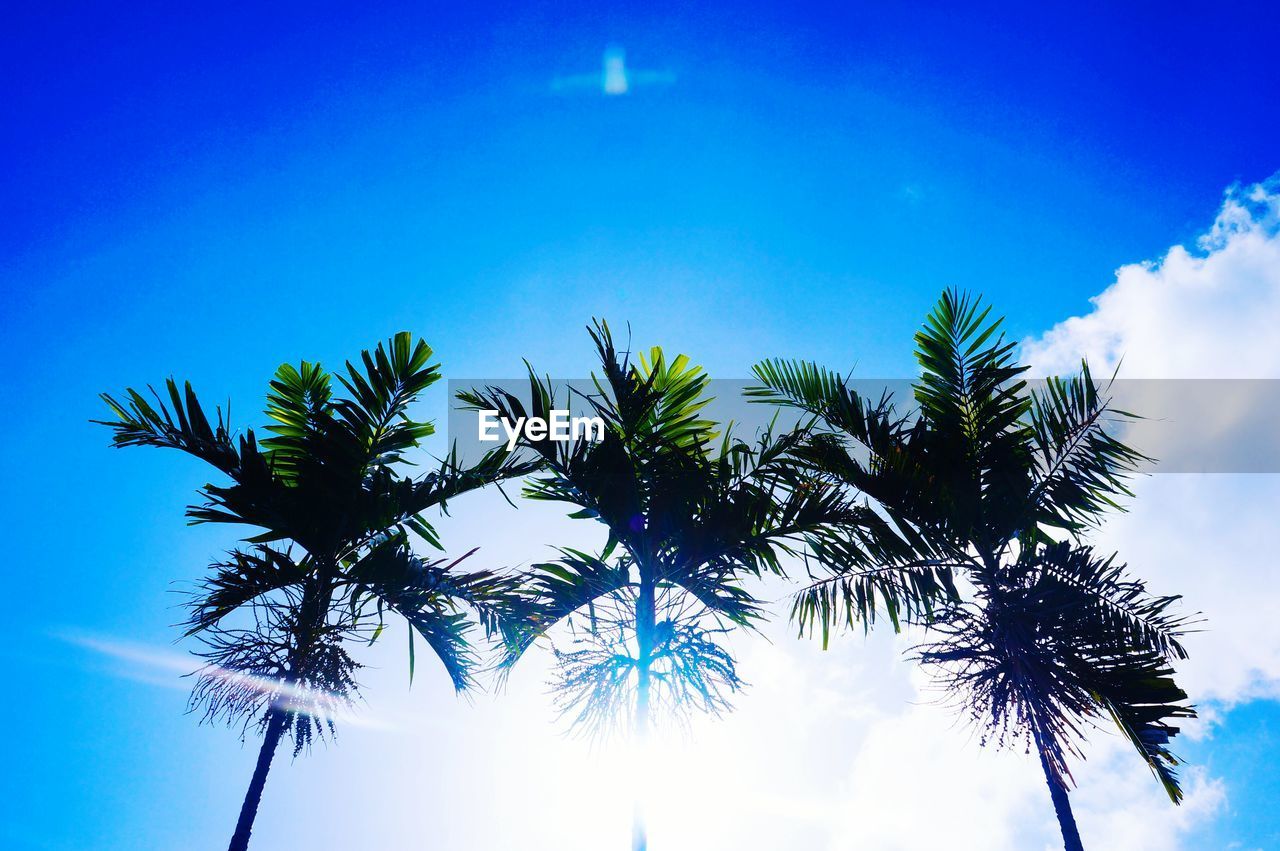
<point x="330" y="556"/>
<point x="689" y="514"/>
<point x="998" y="483"/>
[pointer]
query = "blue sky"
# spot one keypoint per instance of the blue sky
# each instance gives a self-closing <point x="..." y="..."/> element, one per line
<point x="209" y="192"/>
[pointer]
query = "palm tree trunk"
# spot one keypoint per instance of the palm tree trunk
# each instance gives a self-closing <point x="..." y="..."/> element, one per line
<point x="1061" y="806"/>
<point x="639" y="829"/>
<point x="646" y="618"/>
<point x="315" y="600"/>
<point x="249" y="811"/>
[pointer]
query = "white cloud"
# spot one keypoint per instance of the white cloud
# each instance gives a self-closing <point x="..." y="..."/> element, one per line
<point x="1208" y="313"/>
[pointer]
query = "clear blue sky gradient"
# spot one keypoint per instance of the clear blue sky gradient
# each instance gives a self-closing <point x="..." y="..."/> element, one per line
<point x="207" y="192"/>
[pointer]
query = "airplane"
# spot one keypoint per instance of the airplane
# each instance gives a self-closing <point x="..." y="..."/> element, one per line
<point x="614" y="78"/>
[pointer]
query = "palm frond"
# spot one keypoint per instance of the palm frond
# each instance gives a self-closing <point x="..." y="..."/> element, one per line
<point x="433" y="598"/>
<point x="827" y="395"/>
<point x="1121" y="603"/>
<point x="298" y="403"/>
<point x="971" y="397"/>
<point x="907" y="592"/>
<point x="242" y="578"/>
<point x="1142" y="698"/>
<point x="180" y="424"/>
<point x="557" y="589"/>
<point x="381" y="388"/>
<point x="1081" y="468"/>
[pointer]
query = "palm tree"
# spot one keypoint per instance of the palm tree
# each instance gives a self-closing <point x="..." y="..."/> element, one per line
<point x="330" y="555"/>
<point x="689" y="516"/>
<point x="999" y="484"/>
